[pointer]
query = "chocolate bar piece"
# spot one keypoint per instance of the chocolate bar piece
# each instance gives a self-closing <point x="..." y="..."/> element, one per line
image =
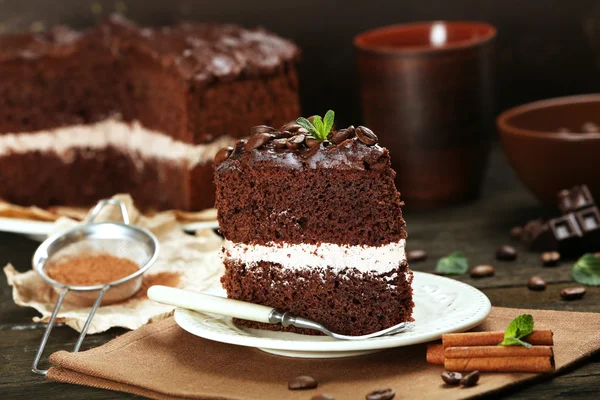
<point x="567" y="232"/>
<point x="576" y="198"/>
<point x="576" y="231"/>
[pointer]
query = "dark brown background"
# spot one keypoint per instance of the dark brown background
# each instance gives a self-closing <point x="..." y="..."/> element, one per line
<point x="546" y="48"/>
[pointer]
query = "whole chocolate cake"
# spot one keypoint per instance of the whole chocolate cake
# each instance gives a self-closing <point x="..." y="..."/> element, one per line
<point x="314" y="226"/>
<point x="119" y="108"/>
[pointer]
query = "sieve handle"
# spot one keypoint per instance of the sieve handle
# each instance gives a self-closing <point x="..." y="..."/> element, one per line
<point x="211" y="304"/>
<point x="106" y="202"/>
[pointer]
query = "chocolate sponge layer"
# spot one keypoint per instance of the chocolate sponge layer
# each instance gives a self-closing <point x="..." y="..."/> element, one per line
<point x="355" y="207"/>
<point x="349" y="302"/>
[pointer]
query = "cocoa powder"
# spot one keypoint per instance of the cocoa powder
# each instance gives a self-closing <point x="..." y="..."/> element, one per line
<point x="92" y="270"/>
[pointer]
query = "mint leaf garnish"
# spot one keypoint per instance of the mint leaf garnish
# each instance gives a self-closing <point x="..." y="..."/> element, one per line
<point x="328" y="121"/>
<point x="318" y="123"/>
<point x="587" y="270"/>
<point x="319" y="128"/>
<point x="518" y="329"/>
<point x="454" y="264"/>
<point x="303" y="122"/>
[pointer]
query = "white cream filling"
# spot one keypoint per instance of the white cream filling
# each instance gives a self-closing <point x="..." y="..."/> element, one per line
<point x="377" y="259"/>
<point x="131" y="138"/>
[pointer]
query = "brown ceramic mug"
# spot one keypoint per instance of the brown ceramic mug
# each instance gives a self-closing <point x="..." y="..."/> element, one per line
<point x="427" y="91"/>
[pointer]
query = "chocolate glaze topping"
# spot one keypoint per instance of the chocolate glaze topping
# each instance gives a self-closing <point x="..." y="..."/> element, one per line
<point x="344" y="149"/>
<point x="199" y="52"/>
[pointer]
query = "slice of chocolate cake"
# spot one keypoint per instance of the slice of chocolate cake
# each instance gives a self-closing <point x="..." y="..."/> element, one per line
<point x="313" y="226"/>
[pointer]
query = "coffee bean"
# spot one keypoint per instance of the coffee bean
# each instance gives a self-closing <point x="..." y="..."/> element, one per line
<point x="302" y="383"/>
<point x="536" y="283"/>
<point x="516" y="232"/>
<point x="550" y="258"/>
<point x="366" y="135"/>
<point x="312" y="142"/>
<point x="590" y="127"/>
<point x="223" y="155"/>
<point x="416" y="255"/>
<point x="506" y="253"/>
<point x="381" y="394"/>
<point x="338" y="137"/>
<point x="470" y="379"/>
<point x="295" y="142"/>
<point x="258" y="141"/>
<point x="311" y="119"/>
<point x="280" y="143"/>
<point x="302" y="131"/>
<point x="322" y="397"/>
<point x="291" y="126"/>
<point x="482" y="271"/>
<point x="261" y="129"/>
<point x="283" y="135"/>
<point x="451" y="378"/>
<point x="572" y="293"/>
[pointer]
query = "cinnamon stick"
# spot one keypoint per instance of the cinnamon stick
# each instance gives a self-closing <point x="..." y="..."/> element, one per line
<point x="497" y="351"/>
<point x="541" y="337"/>
<point x="435" y="353"/>
<point x="501" y="364"/>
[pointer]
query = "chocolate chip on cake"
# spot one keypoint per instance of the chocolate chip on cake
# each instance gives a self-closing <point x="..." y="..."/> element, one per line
<point x="482" y="271"/>
<point x="381" y="394"/>
<point x="366" y="135"/>
<point x="312" y="142"/>
<point x="338" y="137"/>
<point x="283" y="135"/>
<point x="291" y="127"/>
<point x="572" y="293"/>
<point x="416" y="255"/>
<point x="280" y="143"/>
<point x="506" y="253"/>
<point x="536" y="283"/>
<point x="451" y="378"/>
<point x="223" y="155"/>
<point x="550" y="258"/>
<point x="257" y="141"/>
<point x="302" y="383"/>
<point x="295" y="142"/>
<point x="261" y="129"/>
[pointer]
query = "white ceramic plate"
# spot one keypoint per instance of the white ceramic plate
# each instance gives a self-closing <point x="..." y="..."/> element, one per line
<point x="39" y="230"/>
<point x="442" y="305"/>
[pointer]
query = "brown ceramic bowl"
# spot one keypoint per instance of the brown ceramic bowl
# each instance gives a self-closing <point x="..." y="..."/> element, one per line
<point x="545" y="159"/>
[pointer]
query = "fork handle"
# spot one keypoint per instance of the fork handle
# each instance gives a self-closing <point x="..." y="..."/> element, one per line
<point x="210" y="304"/>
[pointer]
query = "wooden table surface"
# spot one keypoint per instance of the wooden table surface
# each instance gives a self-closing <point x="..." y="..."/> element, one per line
<point x="477" y="229"/>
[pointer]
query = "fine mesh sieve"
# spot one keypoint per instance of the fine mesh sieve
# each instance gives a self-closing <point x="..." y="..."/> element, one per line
<point x="119" y="239"/>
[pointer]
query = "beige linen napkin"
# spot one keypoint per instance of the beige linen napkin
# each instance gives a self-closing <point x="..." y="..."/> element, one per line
<point x="163" y="361"/>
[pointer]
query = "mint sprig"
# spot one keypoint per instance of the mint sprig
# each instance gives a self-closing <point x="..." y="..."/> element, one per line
<point x="587" y="270"/>
<point x="454" y="264"/>
<point x="319" y="128"/>
<point x="518" y="329"/>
